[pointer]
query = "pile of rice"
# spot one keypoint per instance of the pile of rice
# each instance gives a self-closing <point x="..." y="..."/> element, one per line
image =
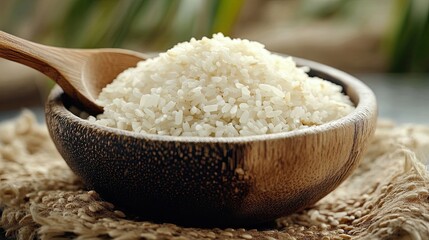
<point x="219" y="87"/>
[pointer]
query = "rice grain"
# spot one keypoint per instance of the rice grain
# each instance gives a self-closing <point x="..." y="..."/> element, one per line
<point x="219" y="87"/>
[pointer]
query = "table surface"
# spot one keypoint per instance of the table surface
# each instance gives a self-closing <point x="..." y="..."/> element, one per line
<point x="401" y="98"/>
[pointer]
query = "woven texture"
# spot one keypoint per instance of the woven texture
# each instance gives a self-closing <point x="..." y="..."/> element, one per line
<point x="386" y="198"/>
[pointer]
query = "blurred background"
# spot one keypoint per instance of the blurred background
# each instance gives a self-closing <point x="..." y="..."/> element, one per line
<point x="385" y="43"/>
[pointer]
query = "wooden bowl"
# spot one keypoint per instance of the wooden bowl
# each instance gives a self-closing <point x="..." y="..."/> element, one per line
<point x="216" y="181"/>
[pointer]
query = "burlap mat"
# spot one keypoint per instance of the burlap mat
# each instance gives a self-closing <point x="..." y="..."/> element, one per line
<point x="386" y="197"/>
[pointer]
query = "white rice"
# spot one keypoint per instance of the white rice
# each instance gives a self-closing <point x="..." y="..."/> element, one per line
<point x="219" y="87"/>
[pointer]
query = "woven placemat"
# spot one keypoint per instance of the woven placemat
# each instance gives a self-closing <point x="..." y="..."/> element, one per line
<point x="385" y="198"/>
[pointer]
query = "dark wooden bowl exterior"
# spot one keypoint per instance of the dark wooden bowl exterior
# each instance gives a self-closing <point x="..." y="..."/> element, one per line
<point x="216" y="181"/>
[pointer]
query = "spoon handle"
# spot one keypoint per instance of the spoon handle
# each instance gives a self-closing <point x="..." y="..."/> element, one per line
<point x="42" y="58"/>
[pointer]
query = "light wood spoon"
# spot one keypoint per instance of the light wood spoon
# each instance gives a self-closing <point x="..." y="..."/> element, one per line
<point x="80" y="73"/>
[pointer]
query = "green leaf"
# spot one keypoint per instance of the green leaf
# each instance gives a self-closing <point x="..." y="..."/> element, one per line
<point x="127" y="21"/>
<point x="74" y="22"/>
<point x="226" y="13"/>
<point x="408" y="43"/>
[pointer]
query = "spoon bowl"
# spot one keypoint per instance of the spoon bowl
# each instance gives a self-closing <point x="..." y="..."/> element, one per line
<point x="208" y="181"/>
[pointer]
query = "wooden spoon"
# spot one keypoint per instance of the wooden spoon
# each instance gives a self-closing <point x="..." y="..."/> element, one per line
<point x="80" y="73"/>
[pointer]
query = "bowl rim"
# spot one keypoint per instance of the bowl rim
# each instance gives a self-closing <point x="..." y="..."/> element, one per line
<point x="365" y="108"/>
